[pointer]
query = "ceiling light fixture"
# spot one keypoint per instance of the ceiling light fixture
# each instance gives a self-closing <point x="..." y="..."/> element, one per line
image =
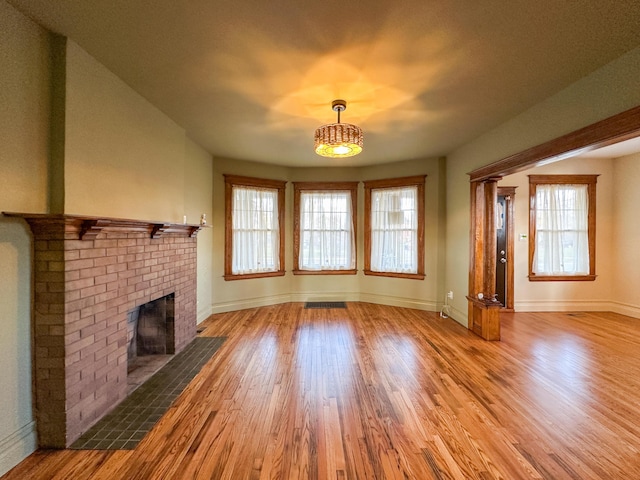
<point x="338" y="140"/>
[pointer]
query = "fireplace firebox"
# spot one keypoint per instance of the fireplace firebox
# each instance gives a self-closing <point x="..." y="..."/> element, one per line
<point x="151" y="329"/>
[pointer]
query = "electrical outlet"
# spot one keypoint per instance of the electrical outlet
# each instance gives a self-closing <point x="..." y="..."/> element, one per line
<point x="450" y="295"/>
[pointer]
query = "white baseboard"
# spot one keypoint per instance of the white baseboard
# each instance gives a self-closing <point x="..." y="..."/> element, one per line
<point x="459" y="316"/>
<point x="325" y="297"/>
<point x="426" y="305"/>
<point x="562" y="306"/>
<point x="249" y="303"/>
<point x="203" y="314"/>
<point x="17" y="446"/>
<point x="625" y="309"/>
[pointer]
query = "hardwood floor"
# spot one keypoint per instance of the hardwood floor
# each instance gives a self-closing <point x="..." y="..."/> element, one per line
<point x="382" y="392"/>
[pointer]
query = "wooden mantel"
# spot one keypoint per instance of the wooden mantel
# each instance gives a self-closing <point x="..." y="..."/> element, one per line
<point x="88" y="228"/>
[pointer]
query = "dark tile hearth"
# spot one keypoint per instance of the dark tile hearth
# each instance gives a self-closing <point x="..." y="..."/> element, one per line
<point x="144" y="368"/>
<point x="129" y="422"/>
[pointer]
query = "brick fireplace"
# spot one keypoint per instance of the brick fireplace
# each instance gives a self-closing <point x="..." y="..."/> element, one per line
<point x="89" y="273"/>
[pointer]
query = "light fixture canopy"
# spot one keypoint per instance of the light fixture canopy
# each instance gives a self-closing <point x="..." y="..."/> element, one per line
<point x="337" y="140"/>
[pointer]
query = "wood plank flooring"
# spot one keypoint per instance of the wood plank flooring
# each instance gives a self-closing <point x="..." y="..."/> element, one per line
<point x="380" y="392"/>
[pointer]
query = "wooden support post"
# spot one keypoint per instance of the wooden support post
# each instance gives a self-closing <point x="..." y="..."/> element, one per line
<point x="483" y="309"/>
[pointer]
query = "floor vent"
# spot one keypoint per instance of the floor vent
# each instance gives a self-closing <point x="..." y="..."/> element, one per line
<point x="325" y="305"/>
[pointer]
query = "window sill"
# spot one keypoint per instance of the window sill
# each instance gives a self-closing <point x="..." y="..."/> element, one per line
<point x="561" y="278"/>
<point x="325" y="272"/>
<point x="248" y="276"/>
<point x="411" y="276"/>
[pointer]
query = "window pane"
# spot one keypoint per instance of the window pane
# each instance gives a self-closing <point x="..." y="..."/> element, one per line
<point x="394" y="230"/>
<point x="326" y="234"/>
<point x="255" y="229"/>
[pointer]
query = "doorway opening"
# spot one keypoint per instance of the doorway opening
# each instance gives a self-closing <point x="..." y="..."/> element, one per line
<point x="482" y="260"/>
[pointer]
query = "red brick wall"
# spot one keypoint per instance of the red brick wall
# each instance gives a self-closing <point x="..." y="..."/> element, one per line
<point x="83" y="291"/>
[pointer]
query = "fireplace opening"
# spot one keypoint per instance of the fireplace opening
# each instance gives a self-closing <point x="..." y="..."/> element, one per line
<point x="151" y="339"/>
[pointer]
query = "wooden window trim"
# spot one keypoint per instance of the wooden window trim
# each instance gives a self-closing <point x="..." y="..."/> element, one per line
<point x="416" y="180"/>
<point x="590" y="181"/>
<point x="237" y="180"/>
<point x="298" y="188"/>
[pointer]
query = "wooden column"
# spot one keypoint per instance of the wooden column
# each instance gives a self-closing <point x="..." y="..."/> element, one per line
<point x="483" y="308"/>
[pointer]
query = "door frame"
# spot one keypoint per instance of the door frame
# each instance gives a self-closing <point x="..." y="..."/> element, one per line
<point x="509" y="193"/>
<point x="483" y="193"/>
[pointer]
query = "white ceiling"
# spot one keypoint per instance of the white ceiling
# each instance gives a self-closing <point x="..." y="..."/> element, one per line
<point x="253" y="79"/>
<point x="616" y="150"/>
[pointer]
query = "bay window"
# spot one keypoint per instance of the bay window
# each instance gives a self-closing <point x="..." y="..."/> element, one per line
<point x="325" y="227"/>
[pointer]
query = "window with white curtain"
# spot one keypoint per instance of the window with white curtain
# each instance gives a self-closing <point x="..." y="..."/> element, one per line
<point x="253" y="246"/>
<point x="394" y="227"/>
<point x="255" y="231"/>
<point x="394" y="230"/>
<point x="562" y="224"/>
<point x="325" y="227"/>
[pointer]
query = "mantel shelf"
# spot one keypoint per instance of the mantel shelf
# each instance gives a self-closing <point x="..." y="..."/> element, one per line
<point x="88" y="228"/>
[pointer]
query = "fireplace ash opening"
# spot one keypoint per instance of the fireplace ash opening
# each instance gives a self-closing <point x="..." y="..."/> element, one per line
<point x="150" y="331"/>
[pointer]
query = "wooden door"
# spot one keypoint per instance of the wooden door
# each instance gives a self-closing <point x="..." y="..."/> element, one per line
<point x="504" y="246"/>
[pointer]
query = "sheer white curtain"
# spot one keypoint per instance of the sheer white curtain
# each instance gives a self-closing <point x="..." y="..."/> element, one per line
<point x="394" y="230"/>
<point x="562" y="235"/>
<point x="256" y="236"/>
<point x="326" y="231"/>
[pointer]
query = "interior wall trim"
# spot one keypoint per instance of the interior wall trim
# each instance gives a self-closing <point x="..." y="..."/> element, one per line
<point x="204" y="313"/>
<point x="17" y="446"/>
<point x="426" y="305"/>
<point x="614" y="129"/>
<point x="325" y="297"/>
<point x="626" y="309"/>
<point x="563" y="306"/>
<point x="244" y="303"/>
<point x="241" y="304"/>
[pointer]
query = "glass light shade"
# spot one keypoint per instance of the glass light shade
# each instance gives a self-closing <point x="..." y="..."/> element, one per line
<point x="338" y="140"/>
